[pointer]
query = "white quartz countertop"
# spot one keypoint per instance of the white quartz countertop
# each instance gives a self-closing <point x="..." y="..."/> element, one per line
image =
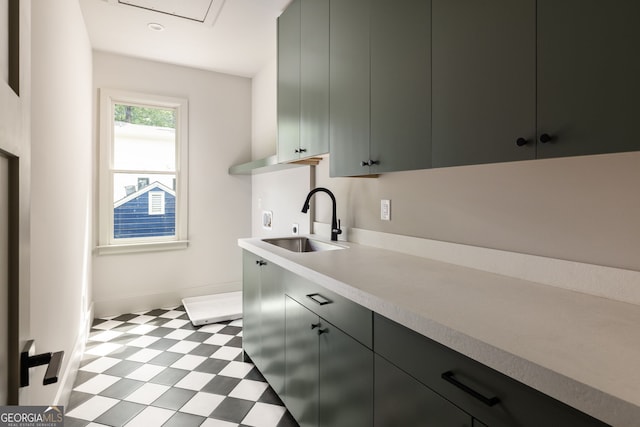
<point x="580" y="349"/>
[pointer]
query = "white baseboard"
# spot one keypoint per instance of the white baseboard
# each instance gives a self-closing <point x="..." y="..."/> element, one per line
<point x="68" y="377"/>
<point x="166" y="298"/>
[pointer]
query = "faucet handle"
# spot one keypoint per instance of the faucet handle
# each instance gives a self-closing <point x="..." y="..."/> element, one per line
<point x="338" y="230"/>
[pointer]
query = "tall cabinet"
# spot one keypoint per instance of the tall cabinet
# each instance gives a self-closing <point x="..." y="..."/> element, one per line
<point x="588" y="84"/>
<point x="484" y="83"/>
<point x="303" y="80"/>
<point x="526" y="79"/>
<point x="380" y="83"/>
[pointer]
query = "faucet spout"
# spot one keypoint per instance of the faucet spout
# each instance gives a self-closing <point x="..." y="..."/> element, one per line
<point x="335" y="224"/>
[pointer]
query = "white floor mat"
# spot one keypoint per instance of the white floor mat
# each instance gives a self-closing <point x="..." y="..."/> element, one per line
<point x="214" y="308"/>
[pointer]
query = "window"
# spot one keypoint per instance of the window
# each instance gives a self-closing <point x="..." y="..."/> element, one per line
<point x="143" y="172"/>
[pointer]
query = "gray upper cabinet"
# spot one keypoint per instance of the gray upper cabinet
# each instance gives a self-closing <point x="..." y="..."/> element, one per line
<point x="349" y="77"/>
<point x="289" y="83"/>
<point x="484" y="83"/>
<point x="400" y="85"/>
<point x="380" y="83"/>
<point x="588" y="68"/>
<point x="525" y="79"/>
<point x="314" y="78"/>
<point x="303" y="80"/>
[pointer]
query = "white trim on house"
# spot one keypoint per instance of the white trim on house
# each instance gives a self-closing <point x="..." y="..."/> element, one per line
<point x="155" y="185"/>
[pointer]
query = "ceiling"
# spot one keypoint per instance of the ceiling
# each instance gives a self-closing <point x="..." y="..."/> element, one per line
<point x="230" y="36"/>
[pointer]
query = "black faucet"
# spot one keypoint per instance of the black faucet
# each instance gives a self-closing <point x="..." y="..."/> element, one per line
<point x="335" y="225"/>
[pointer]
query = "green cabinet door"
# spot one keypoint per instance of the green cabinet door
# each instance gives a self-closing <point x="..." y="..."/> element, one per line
<point x="301" y="363"/>
<point x="314" y="77"/>
<point x="346" y="380"/>
<point x="251" y="306"/>
<point x="289" y="83"/>
<point x="484" y="83"/>
<point x="400" y="400"/>
<point x="349" y="100"/>
<point x="588" y="68"/>
<point x="400" y="85"/>
<point x="272" y="327"/>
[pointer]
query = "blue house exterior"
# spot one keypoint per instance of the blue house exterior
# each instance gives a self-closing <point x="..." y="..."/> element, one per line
<point x="133" y="217"/>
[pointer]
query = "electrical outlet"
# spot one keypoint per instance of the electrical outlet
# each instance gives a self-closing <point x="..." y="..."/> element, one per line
<point x="385" y="210"/>
<point x="295" y="229"/>
<point x="267" y="220"/>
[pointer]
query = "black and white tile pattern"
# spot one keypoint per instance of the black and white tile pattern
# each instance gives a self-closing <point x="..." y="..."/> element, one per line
<point x="156" y="369"/>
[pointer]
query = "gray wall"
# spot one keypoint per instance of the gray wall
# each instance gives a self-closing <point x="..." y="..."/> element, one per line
<point x="583" y="209"/>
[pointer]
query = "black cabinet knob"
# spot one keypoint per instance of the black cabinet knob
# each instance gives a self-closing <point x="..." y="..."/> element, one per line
<point x="545" y="137"/>
<point x="369" y="163"/>
<point x="520" y="142"/>
<point x="301" y="150"/>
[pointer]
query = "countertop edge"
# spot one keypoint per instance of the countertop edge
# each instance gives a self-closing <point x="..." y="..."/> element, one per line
<point x="597" y="403"/>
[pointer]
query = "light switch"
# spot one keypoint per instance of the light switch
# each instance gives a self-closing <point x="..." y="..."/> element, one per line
<point x="385" y="210"/>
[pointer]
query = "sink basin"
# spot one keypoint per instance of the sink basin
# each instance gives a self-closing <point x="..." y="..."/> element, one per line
<point x="302" y="244"/>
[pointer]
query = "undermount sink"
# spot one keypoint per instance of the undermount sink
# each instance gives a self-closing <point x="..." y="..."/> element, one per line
<point x="302" y="244"/>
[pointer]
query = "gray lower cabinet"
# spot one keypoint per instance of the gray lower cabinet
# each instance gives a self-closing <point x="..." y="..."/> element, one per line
<point x="401" y="400"/>
<point x="251" y="295"/>
<point x="263" y="317"/>
<point x="329" y="375"/>
<point x="489" y="396"/>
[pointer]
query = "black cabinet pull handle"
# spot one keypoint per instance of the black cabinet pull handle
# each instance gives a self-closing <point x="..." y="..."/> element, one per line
<point x="520" y="142"/>
<point x="315" y="325"/>
<point x="301" y="150"/>
<point x="450" y="378"/>
<point x="261" y="263"/>
<point x="363" y="164"/>
<point x="323" y="331"/>
<point x="545" y="137"/>
<point x="319" y="299"/>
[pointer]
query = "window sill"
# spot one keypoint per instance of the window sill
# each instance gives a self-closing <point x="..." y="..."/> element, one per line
<point x="142" y="247"/>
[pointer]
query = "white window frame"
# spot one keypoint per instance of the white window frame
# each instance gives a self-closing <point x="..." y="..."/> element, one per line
<point x="107" y="244"/>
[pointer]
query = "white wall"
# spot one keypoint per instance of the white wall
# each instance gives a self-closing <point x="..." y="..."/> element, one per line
<point x="282" y="192"/>
<point x="582" y="209"/>
<point x="264" y="115"/>
<point x="219" y="204"/>
<point x="61" y="202"/>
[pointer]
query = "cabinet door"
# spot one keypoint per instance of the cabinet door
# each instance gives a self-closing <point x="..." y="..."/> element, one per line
<point x="301" y="365"/>
<point x="484" y="83"/>
<point x="346" y="380"/>
<point x="400" y="85"/>
<point x="289" y="83"/>
<point x="251" y="306"/>
<point x="349" y="88"/>
<point x="588" y="68"/>
<point x="314" y="77"/>
<point x="272" y="329"/>
<point x="400" y="400"/>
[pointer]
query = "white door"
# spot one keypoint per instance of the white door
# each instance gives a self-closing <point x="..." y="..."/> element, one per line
<point x="4" y="279"/>
<point x="14" y="195"/>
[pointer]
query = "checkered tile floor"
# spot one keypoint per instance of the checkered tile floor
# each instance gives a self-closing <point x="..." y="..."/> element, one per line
<point x="157" y="369"/>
